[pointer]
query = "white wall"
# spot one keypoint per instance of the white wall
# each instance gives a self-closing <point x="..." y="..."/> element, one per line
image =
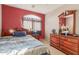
<point x="0" y="19"/>
<point x="52" y="21"/>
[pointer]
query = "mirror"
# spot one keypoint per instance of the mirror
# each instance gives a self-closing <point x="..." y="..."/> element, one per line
<point x="67" y="21"/>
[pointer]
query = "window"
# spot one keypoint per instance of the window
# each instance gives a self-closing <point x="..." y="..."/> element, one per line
<point x="32" y="23"/>
<point x="27" y="25"/>
<point x="37" y="26"/>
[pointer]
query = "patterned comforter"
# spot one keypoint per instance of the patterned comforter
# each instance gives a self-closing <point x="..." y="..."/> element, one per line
<point x="22" y="46"/>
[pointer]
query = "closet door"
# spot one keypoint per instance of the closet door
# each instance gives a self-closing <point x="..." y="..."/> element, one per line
<point x="0" y="19"/>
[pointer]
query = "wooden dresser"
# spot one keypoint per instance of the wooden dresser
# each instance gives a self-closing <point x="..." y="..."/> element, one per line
<point x="66" y="44"/>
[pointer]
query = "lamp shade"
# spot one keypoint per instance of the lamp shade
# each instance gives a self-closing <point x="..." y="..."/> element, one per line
<point x="11" y="30"/>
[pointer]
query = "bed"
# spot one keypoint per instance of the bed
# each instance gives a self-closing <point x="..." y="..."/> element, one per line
<point x="26" y="45"/>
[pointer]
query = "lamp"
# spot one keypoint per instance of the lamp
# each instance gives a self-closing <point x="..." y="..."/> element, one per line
<point x="11" y="30"/>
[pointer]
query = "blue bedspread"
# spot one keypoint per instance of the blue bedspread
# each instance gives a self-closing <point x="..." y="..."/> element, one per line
<point x="18" y="43"/>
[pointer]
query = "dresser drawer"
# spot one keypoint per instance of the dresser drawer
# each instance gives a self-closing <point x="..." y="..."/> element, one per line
<point x="68" y="51"/>
<point x="54" y="44"/>
<point x="71" y="46"/>
<point x="55" y="40"/>
<point x="67" y="44"/>
<point x="72" y="40"/>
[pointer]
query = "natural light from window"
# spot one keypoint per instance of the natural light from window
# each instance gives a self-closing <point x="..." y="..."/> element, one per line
<point x="32" y="23"/>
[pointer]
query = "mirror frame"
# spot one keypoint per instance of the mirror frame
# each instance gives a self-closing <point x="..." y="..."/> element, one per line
<point x="67" y="13"/>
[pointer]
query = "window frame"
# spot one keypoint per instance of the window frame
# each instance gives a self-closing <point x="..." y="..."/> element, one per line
<point x="32" y="23"/>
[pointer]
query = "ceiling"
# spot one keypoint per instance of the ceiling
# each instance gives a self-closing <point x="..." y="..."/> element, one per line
<point x="41" y="8"/>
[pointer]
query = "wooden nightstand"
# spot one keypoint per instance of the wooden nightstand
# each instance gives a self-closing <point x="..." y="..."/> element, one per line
<point x="36" y="36"/>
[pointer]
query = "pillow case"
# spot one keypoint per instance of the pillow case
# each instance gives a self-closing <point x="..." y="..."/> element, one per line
<point x="19" y="33"/>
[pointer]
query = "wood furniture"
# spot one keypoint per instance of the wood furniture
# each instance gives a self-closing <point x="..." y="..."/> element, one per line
<point x="22" y="29"/>
<point x="36" y="36"/>
<point x="66" y="44"/>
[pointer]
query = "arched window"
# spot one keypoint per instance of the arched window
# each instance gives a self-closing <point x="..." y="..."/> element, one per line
<point x="32" y="22"/>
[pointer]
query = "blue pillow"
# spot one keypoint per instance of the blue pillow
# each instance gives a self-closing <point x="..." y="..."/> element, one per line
<point x="19" y="34"/>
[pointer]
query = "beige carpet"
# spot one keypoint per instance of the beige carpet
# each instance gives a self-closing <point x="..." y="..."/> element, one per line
<point x="53" y="50"/>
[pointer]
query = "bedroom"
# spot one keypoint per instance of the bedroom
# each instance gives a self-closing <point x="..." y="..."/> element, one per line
<point x="41" y="22"/>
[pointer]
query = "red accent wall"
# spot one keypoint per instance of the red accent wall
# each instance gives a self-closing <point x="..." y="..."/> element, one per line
<point x="12" y="18"/>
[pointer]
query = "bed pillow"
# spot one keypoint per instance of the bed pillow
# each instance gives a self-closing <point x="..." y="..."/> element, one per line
<point x="19" y="33"/>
